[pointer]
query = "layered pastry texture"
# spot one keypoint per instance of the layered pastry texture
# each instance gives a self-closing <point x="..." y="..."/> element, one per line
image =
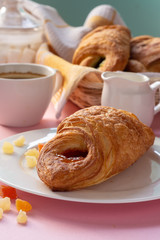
<point x="92" y="145"/>
<point x="106" y="48"/>
<point x="144" y="54"/>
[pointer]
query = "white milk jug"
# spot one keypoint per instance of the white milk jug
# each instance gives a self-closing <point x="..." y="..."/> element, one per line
<point x="131" y="92"/>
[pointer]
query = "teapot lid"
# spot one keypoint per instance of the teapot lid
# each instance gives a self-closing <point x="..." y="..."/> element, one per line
<point x="13" y="16"/>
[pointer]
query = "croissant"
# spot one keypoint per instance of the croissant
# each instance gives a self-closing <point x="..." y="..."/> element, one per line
<point x="135" y="66"/>
<point x="92" y="145"/>
<point x="106" y="48"/>
<point x="146" y="50"/>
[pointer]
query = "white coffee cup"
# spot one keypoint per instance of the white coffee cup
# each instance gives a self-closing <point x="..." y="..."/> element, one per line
<point x="131" y="92"/>
<point x="25" y="92"/>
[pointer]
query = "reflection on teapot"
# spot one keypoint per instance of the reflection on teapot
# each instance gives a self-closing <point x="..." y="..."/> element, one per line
<point x="131" y="92"/>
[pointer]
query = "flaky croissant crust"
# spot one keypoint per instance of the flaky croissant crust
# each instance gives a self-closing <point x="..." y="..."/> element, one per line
<point x="146" y="50"/>
<point x="91" y="146"/>
<point x="106" y="48"/>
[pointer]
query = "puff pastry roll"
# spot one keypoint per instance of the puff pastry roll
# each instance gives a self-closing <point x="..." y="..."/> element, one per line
<point x="146" y="50"/>
<point x="135" y="66"/>
<point x="106" y="48"/>
<point x="92" y="145"/>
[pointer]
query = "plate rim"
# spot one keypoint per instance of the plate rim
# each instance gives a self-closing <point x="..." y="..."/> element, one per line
<point x="66" y="198"/>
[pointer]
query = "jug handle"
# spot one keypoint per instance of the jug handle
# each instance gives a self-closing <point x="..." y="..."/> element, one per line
<point x="154" y="86"/>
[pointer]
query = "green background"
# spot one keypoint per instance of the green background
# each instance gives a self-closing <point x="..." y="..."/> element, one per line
<point x="141" y="16"/>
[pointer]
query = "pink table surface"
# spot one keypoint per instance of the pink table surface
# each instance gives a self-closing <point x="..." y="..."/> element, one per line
<point x="58" y="219"/>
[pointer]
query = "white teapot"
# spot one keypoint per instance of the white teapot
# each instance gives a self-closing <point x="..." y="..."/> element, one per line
<point x="131" y="92"/>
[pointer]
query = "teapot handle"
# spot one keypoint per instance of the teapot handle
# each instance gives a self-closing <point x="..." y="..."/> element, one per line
<point x="154" y="86"/>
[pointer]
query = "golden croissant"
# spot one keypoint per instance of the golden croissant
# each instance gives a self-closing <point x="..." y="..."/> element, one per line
<point x="92" y="145"/>
<point x="145" y="50"/>
<point x="106" y="48"/>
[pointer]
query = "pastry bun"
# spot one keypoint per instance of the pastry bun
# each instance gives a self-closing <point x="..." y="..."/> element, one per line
<point x="92" y="145"/>
<point x="106" y="48"/>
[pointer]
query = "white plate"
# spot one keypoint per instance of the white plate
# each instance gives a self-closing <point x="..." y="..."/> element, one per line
<point x="140" y="182"/>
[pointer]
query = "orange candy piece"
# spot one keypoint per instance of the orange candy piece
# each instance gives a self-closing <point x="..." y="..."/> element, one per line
<point x="40" y="145"/>
<point x="6" y="191"/>
<point x="23" y="205"/>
